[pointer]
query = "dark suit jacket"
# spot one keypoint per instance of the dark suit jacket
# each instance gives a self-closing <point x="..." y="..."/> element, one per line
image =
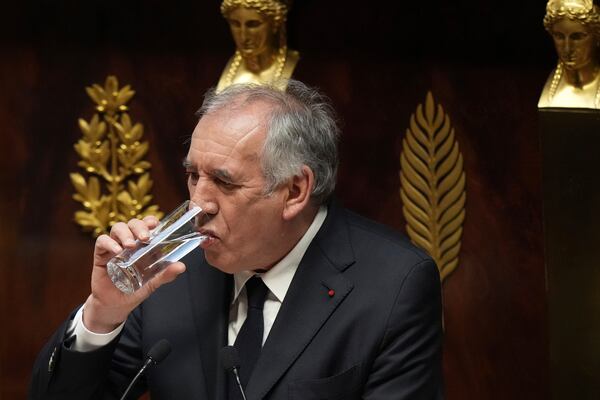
<point x="378" y="337"/>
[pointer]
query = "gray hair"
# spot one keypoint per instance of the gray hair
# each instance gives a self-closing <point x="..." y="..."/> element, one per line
<point x="301" y="130"/>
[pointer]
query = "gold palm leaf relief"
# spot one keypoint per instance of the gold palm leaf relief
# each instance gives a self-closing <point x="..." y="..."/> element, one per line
<point x="432" y="185"/>
<point x="117" y="183"/>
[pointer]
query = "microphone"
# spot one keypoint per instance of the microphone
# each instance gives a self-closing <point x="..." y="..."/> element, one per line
<point x="230" y="360"/>
<point x="156" y="354"/>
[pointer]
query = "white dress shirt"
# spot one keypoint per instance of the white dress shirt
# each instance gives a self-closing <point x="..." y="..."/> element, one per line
<point x="277" y="280"/>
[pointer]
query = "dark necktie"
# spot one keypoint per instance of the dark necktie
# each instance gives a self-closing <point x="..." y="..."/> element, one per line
<point x="249" y="339"/>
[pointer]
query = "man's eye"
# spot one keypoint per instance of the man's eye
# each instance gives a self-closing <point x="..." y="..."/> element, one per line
<point x="224" y="184"/>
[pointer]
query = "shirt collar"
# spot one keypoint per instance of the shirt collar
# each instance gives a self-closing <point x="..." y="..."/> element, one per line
<point x="279" y="278"/>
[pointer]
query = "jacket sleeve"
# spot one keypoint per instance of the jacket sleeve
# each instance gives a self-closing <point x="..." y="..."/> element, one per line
<point x="409" y="363"/>
<point x="62" y="373"/>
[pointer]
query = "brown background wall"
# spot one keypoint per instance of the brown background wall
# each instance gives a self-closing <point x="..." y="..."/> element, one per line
<point x="484" y="61"/>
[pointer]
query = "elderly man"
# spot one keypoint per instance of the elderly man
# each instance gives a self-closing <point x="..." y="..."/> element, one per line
<point x="321" y="303"/>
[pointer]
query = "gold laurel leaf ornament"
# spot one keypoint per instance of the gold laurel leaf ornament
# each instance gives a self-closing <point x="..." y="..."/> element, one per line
<point x="432" y="185"/>
<point x="115" y="186"/>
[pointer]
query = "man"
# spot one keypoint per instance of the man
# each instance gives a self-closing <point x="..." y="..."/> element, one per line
<point x="349" y="309"/>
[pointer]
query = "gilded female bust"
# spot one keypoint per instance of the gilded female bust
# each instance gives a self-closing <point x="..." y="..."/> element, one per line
<point x="262" y="55"/>
<point x="575" y="29"/>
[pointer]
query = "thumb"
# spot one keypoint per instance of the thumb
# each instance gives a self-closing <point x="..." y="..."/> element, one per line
<point x="167" y="275"/>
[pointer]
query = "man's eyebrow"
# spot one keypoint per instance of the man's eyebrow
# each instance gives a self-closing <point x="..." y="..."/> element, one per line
<point x="187" y="164"/>
<point x="223" y="174"/>
<point x="219" y="173"/>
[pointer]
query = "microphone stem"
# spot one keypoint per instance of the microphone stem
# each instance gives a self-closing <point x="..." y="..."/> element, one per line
<point x="237" y="378"/>
<point x="134" y="380"/>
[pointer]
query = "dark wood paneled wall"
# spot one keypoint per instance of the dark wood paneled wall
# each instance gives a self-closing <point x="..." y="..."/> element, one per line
<point x="571" y="214"/>
<point x="483" y="61"/>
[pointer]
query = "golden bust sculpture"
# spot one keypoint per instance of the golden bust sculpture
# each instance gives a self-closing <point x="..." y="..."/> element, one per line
<point x="258" y="30"/>
<point x="575" y="28"/>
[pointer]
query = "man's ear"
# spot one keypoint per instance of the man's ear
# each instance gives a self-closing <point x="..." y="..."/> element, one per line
<point x="299" y="190"/>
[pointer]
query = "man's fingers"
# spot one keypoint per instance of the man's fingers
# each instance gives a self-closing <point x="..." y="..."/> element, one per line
<point x="127" y="233"/>
<point x="107" y="245"/>
<point x="139" y="229"/>
<point x="123" y="234"/>
<point x="151" y="221"/>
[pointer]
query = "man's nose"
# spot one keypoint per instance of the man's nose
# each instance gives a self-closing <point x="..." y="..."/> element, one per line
<point x="203" y="196"/>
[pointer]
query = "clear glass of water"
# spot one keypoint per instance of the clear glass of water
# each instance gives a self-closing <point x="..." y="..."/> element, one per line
<point x="174" y="237"/>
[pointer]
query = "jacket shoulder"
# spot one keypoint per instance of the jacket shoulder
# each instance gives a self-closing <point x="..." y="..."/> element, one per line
<point x="374" y="237"/>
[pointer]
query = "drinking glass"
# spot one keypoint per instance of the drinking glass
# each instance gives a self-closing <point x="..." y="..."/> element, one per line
<point x="174" y="237"/>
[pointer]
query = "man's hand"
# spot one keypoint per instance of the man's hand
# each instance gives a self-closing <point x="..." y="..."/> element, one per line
<point x="107" y="307"/>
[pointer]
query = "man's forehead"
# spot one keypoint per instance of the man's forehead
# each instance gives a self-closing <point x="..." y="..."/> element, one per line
<point x="227" y="137"/>
<point x="237" y="120"/>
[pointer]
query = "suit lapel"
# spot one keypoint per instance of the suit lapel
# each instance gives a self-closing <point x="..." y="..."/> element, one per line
<point x="210" y="292"/>
<point x="307" y="305"/>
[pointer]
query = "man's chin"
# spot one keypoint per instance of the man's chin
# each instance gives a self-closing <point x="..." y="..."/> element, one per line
<point x="222" y="265"/>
